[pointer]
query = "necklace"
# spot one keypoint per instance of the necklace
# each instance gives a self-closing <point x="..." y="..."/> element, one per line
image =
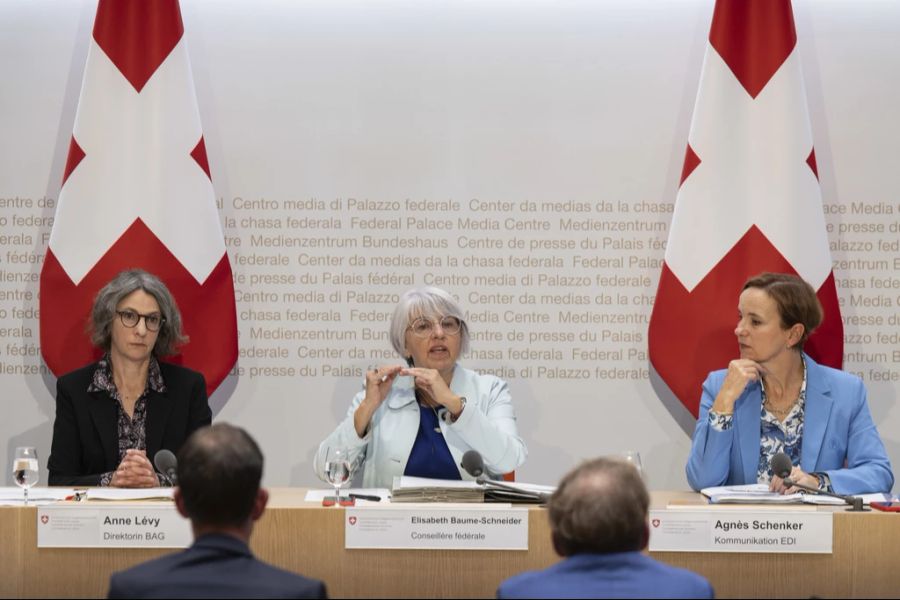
<point x="424" y="402"/>
<point x="779" y="412"/>
<point x="437" y="428"/>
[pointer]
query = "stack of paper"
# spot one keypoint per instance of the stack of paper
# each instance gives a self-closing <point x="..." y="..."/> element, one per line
<point x="421" y="489"/>
<point x="127" y="494"/>
<point x="524" y="493"/>
<point x="758" y="493"/>
<point x="755" y="493"/>
<point x="37" y="496"/>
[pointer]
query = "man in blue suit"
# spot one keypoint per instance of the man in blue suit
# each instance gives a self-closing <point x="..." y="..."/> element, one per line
<point x="598" y="519"/>
<point x="219" y="473"/>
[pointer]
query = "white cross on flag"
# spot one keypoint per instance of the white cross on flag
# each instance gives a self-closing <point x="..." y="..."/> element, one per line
<point x="749" y="199"/>
<point x="136" y="193"/>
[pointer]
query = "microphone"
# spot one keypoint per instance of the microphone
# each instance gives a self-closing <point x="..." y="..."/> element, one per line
<point x="473" y="464"/>
<point x="167" y="464"/>
<point x="781" y="465"/>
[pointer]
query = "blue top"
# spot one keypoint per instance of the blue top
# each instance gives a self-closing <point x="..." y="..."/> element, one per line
<point x="776" y="436"/>
<point x="839" y="436"/>
<point x="615" y="575"/>
<point x="430" y="456"/>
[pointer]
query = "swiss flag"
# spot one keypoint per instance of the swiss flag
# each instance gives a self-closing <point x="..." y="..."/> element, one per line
<point x="749" y="199"/>
<point x="136" y="192"/>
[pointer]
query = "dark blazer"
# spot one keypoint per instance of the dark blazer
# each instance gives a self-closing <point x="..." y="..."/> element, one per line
<point x="619" y="575"/>
<point x="85" y="433"/>
<point x="215" y="566"/>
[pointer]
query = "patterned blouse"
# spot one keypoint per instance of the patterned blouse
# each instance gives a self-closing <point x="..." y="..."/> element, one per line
<point x="132" y="430"/>
<point x="775" y="436"/>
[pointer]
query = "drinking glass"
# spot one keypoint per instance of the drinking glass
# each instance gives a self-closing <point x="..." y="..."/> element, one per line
<point x="633" y="457"/>
<point x="337" y="470"/>
<point x="25" y="468"/>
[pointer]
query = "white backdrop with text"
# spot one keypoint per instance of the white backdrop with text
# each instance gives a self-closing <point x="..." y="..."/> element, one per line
<point x="525" y="156"/>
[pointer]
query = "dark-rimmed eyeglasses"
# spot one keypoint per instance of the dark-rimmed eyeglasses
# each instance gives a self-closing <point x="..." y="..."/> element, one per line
<point x="131" y="318"/>
<point x="423" y="327"/>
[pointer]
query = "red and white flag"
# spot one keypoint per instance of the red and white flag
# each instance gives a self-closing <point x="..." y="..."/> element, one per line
<point x="136" y="193"/>
<point x="749" y="199"/>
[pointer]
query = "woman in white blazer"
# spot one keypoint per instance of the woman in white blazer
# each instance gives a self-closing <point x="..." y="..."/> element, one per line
<point x="420" y="418"/>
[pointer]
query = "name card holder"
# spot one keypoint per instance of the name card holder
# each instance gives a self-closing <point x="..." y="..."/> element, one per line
<point x="436" y="528"/>
<point x="739" y="530"/>
<point x="90" y="525"/>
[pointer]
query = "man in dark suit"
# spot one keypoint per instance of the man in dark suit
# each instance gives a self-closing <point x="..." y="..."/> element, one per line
<point x="598" y="519"/>
<point x="219" y="472"/>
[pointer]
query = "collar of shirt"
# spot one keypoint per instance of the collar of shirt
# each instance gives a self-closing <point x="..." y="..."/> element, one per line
<point x="102" y="380"/>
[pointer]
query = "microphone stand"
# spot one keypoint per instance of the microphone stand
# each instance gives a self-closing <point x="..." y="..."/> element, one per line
<point x="171" y="476"/>
<point x="855" y="502"/>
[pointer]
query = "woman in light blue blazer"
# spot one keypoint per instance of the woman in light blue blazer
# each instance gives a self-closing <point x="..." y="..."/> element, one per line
<point x="420" y="418"/>
<point x="775" y="398"/>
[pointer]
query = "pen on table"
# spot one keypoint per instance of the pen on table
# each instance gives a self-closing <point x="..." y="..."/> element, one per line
<point x="366" y="497"/>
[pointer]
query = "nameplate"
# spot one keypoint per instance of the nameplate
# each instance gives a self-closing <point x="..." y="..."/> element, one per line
<point x="741" y="530"/>
<point x="444" y="528"/>
<point x="93" y="526"/>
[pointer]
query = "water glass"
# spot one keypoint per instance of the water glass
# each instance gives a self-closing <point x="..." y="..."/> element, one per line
<point x="25" y="468"/>
<point x="337" y="470"/>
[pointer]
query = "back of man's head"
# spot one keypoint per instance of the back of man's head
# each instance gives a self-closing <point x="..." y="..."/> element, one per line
<point x="600" y="507"/>
<point x="219" y="471"/>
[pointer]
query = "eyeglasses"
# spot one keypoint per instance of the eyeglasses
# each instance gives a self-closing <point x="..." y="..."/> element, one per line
<point x="423" y="327"/>
<point x="131" y="319"/>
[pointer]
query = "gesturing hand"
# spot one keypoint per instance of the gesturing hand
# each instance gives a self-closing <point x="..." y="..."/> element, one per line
<point x="378" y="383"/>
<point x="433" y="386"/>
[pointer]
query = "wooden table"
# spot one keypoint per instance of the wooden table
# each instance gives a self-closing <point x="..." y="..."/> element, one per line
<point x="309" y="539"/>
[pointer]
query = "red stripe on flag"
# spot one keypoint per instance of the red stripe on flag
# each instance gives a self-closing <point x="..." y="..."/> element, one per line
<point x="694" y="334"/>
<point x="207" y="310"/>
<point x="138" y="35"/>
<point x="811" y="161"/>
<point x="826" y="344"/>
<point x="691" y="162"/>
<point x="75" y="156"/>
<point x="199" y="155"/>
<point x="753" y="37"/>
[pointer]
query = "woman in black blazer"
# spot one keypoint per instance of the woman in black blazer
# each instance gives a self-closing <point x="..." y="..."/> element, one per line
<point x="112" y="416"/>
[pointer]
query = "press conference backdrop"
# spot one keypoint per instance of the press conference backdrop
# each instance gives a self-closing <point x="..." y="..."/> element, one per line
<point x="523" y="155"/>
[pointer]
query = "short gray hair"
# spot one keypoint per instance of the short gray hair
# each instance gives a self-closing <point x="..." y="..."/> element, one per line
<point x="428" y="302"/>
<point x="171" y="334"/>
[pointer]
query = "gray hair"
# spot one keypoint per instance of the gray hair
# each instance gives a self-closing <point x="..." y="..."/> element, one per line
<point x="428" y="302"/>
<point x="171" y="334"/>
